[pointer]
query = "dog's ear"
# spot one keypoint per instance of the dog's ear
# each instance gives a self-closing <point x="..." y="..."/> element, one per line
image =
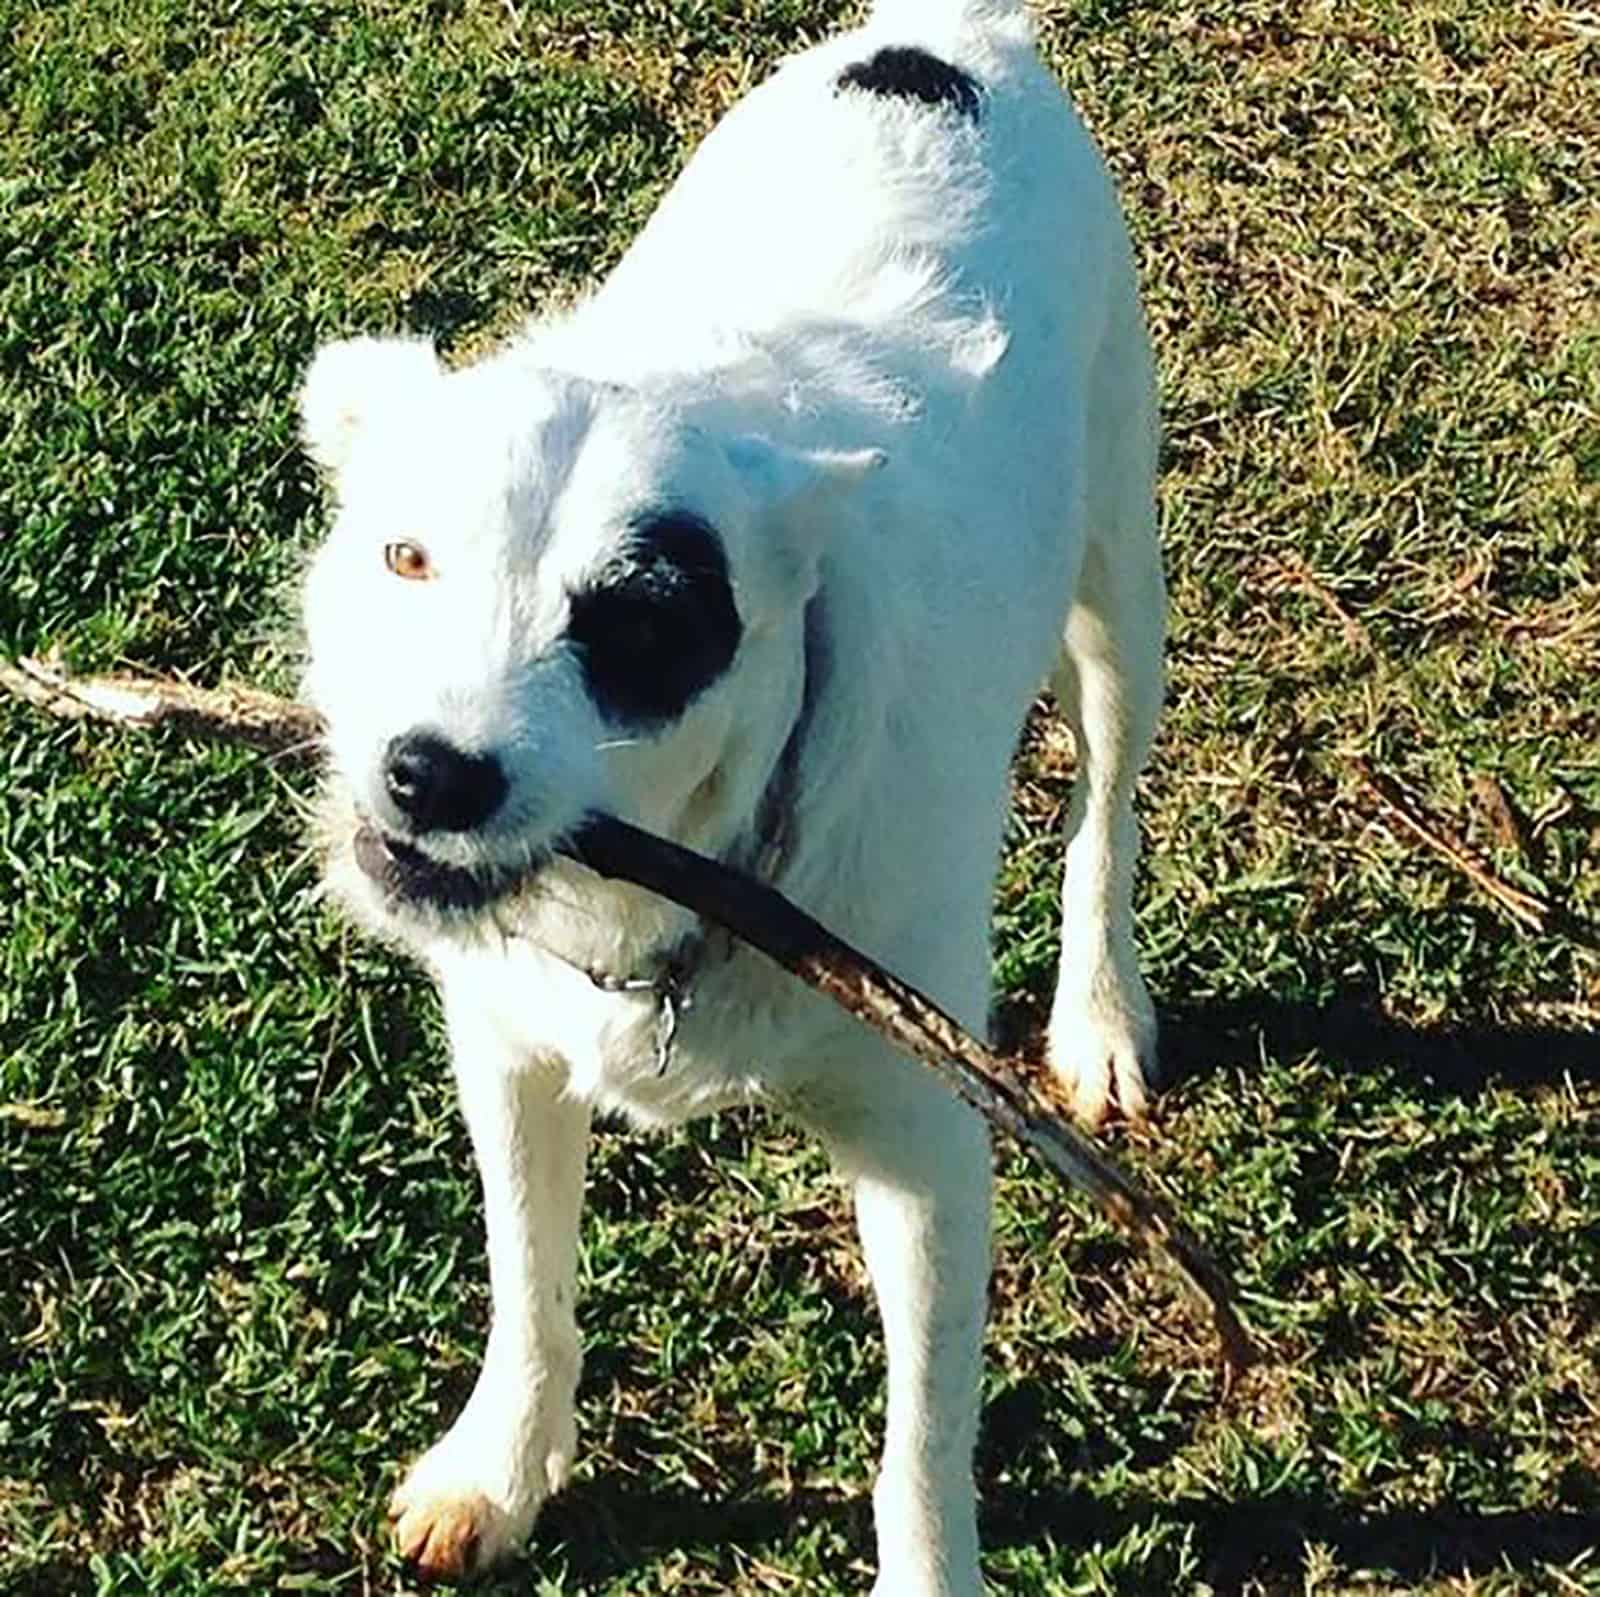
<point x="790" y="477"/>
<point x="351" y="381"/>
<point x="802" y="485"/>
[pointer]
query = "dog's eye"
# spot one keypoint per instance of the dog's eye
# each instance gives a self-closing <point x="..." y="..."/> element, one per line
<point x="408" y="560"/>
<point x="658" y="625"/>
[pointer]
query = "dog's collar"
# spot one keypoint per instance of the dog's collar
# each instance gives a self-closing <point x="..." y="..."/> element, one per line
<point x="675" y="969"/>
<point x="671" y="986"/>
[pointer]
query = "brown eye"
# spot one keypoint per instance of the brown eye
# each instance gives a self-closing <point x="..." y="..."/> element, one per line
<point x="408" y="560"/>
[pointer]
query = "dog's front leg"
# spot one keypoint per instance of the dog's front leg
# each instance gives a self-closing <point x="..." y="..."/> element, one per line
<point x="472" y="1498"/>
<point x="918" y="1162"/>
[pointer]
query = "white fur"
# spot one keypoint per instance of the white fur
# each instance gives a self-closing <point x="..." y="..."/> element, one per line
<point x="897" y="360"/>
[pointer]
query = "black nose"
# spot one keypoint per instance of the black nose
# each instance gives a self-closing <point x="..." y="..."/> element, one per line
<point x="437" y="787"/>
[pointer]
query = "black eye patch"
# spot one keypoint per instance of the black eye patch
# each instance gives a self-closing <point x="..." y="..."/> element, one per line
<point x="658" y="625"/>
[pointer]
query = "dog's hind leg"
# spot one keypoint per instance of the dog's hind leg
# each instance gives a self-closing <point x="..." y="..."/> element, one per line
<point x="918" y="1164"/>
<point x="1108" y="684"/>
<point x="472" y="1498"/>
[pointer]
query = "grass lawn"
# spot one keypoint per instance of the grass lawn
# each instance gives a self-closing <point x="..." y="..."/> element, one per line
<point x="241" y="1275"/>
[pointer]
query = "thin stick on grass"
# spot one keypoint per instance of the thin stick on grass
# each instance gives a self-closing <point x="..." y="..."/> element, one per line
<point x="1531" y="910"/>
<point x="1289" y="571"/>
<point x="1014" y="1096"/>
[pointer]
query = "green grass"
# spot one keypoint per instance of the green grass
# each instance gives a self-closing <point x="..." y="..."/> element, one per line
<point x="240" y="1267"/>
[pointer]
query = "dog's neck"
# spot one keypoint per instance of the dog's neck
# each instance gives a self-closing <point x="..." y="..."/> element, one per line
<point x="670" y="971"/>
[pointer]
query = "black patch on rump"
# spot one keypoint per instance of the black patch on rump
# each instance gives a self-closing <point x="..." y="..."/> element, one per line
<point x="657" y="626"/>
<point x="900" y="72"/>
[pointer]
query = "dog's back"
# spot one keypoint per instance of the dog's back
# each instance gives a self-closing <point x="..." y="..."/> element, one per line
<point x="911" y="180"/>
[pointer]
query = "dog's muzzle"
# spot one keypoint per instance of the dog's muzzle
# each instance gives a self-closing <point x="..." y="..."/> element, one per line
<point x="408" y="875"/>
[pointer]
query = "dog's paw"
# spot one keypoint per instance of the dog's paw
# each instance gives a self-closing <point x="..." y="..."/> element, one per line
<point x="470" y="1502"/>
<point x="1102" y="1046"/>
<point x="450" y="1536"/>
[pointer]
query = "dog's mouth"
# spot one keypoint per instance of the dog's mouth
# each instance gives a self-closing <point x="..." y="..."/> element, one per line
<point x="409" y="876"/>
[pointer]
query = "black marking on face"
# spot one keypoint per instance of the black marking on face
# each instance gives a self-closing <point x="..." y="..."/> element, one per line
<point x="658" y="625"/>
<point x="902" y="72"/>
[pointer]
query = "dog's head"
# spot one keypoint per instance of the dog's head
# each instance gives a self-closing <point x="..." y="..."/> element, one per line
<point x="544" y="598"/>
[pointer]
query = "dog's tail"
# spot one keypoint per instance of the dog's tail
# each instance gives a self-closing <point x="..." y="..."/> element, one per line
<point x="946" y="24"/>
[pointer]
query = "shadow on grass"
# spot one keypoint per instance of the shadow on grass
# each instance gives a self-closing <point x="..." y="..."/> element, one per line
<point x="1459" y="1061"/>
<point x="604" y="1530"/>
<point x="1264" y="1541"/>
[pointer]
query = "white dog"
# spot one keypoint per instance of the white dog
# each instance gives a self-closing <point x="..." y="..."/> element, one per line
<point x="767" y="546"/>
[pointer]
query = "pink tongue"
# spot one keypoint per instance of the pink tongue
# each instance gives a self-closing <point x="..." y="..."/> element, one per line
<point x="372" y="853"/>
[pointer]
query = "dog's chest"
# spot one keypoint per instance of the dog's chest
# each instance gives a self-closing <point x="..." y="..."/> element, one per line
<point x="716" y="1034"/>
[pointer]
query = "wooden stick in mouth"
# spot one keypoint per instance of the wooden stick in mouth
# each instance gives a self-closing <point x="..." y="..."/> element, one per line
<point x="1016" y="1097"/>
